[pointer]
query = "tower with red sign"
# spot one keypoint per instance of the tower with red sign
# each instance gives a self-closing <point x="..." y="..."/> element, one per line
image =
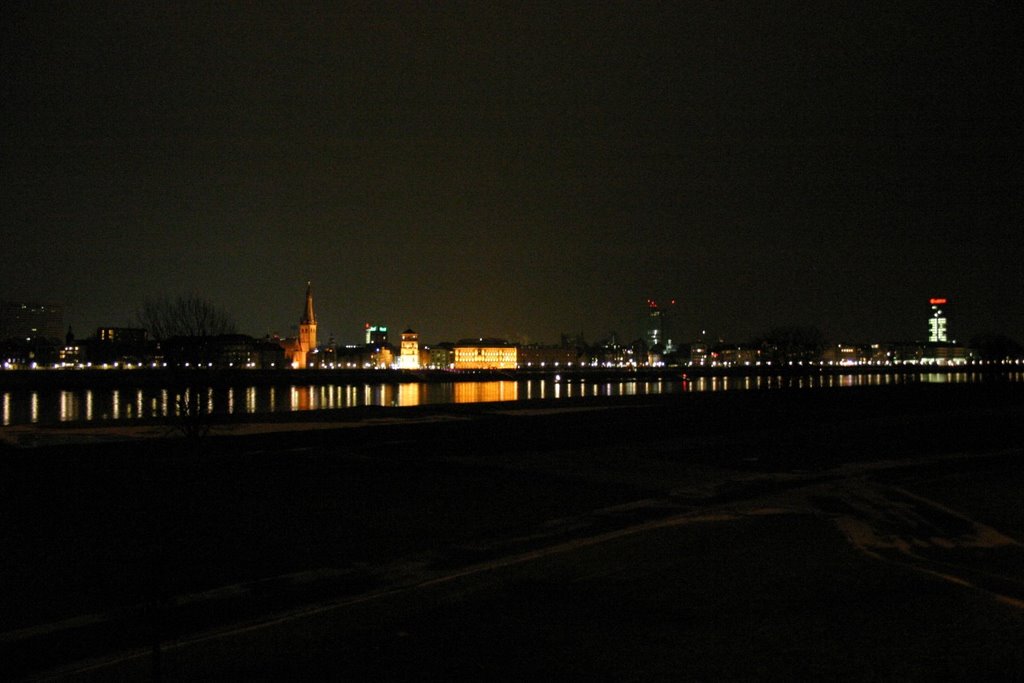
<point x="938" y="328"/>
<point x="657" y="333"/>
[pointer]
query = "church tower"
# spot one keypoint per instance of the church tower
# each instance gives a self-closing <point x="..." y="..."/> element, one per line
<point x="307" y="329"/>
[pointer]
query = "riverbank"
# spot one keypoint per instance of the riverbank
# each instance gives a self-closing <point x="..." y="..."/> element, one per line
<point x="531" y="538"/>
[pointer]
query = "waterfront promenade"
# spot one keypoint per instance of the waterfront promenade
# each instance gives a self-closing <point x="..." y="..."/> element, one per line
<point x="856" y="533"/>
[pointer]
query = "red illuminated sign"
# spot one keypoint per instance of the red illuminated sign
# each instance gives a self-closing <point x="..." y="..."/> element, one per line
<point x="936" y="302"/>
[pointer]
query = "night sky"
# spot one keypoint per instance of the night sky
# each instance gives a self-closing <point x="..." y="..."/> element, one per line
<point x="510" y="170"/>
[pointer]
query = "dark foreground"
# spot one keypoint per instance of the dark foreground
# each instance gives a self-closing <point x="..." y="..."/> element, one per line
<point x="858" y="534"/>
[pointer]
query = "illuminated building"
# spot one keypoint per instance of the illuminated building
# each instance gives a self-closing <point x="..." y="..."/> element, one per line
<point x="700" y="353"/>
<point x="656" y="333"/>
<point x="31" y="320"/>
<point x="297" y="350"/>
<point x="376" y="335"/>
<point x="307" y="323"/>
<point x="409" y="354"/>
<point x="738" y="354"/>
<point x="847" y="354"/>
<point x="442" y="356"/>
<point x="121" y="335"/>
<point x="538" y="356"/>
<point x="938" y="329"/>
<point x="485" y="354"/>
<point x="382" y="357"/>
<point x="71" y="353"/>
<point x="118" y="346"/>
<point x="944" y="354"/>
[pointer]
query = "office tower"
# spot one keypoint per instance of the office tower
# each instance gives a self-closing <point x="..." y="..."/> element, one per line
<point x="938" y="326"/>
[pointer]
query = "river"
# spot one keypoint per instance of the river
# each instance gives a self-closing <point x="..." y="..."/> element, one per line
<point x="51" y="406"/>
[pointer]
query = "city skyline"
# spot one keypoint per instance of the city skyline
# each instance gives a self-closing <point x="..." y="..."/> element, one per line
<point x="518" y="172"/>
<point x="657" y="329"/>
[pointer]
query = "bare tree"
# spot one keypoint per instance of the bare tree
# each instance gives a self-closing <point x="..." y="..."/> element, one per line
<point x="192" y="418"/>
<point x="187" y="315"/>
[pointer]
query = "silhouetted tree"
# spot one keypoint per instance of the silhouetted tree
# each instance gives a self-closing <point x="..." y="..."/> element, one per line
<point x="187" y="315"/>
<point x="792" y="343"/>
<point x="995" y="346"/>
<point x="191" y="418"/>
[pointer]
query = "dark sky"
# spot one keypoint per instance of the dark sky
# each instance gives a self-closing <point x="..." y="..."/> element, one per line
<point x="492" y="169"/>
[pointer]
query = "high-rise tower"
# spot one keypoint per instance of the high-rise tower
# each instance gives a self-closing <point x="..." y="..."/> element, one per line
<point x="376" y="335"/>
<point x="938" y="327"/>
<point x="30" y="320"/>
<point x="656" y="332"/>
<point x="654" y="335"/>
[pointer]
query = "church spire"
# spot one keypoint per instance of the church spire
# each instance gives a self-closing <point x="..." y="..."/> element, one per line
<point x="307" y="317"/>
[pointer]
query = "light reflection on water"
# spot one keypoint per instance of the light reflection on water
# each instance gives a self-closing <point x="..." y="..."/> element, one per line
<point x="486" y="392"/>
<point x="86" y="405"/>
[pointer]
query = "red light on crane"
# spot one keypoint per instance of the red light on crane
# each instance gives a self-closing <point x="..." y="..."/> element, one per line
<point x="937" y="302"/>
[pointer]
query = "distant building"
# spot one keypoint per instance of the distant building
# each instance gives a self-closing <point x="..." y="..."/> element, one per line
<point x="121" y="335"/>
<point x="223" y="351"/>
<point x="485" y="354"/>
<point x="848" y="354"/>
<point x="307" y="327"/>
<point x="383" y="357"/>
<point x="22" y="353"/>
<point x="912" y="353"/>
<point x="19" y="320"/>
<point x="735" y="354"/>
<point x="72" y="353"/>
<point x="409" y="353"/>
<point x="938" y="326"/>
<point x="268" y="354"/>
<point x="944" y="354"/>
<point x="375" y="335"/>
<point x="656" y="332"/>
<point x="612" y="354"/>
<point x="296" y="350"/>
<point x="538" y="356"/>
<point x="442" y="356"/>
<point x="700" y="353"/>
<point x="114" y="346"/>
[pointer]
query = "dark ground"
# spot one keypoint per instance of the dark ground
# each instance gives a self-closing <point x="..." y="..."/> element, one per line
<point x="854" y="533"/>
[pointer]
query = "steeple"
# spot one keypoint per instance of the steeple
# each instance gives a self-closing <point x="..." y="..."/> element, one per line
<point x="307" y="332"/>
<point x="307" y="317"/>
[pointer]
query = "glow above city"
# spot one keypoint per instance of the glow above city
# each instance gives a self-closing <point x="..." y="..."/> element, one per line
<point x="517" y="172"/>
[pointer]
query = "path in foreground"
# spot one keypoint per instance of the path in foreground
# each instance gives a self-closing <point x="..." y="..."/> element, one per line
<point x="612" y="543"/>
